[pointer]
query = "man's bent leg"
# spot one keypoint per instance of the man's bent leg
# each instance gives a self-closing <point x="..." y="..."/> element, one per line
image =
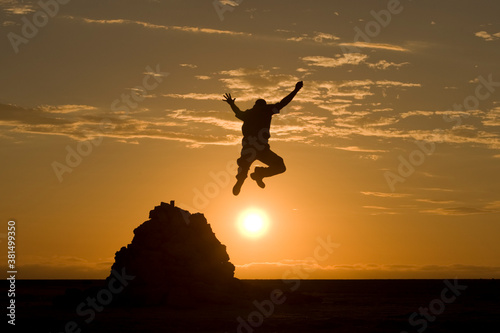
<point x="248" y="155"/>
<point x="275" y="163"/>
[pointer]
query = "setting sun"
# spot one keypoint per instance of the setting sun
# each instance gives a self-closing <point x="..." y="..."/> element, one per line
<point x="253" y="223"/>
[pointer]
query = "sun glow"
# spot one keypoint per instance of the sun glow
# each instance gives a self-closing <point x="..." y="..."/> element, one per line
<point x="253" y="223"/>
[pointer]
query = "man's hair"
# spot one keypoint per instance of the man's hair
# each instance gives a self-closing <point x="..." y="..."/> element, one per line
<point x="260" y="102"/>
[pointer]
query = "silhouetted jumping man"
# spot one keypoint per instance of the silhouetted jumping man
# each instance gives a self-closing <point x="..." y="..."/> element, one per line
<point x="256" y="124"/>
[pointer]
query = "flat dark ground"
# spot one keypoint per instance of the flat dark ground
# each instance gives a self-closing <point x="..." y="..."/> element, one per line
<point x="316" y="306"/>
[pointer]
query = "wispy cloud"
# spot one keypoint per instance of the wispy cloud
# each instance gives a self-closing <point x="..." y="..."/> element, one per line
<point x="384" y="64"/>
<point x="397" y="83"/>
<point x="194" y="131"/>
<point x="437" y="202"/>
<point x="148" y="25"/>
<point x="380" y="46"/>
<point x="284" y="269"/>
<point x="376" y="207"/>
<point x="380" y="210"/>
<point x="15" y="7"/>
<point x="492" y="118"/>
<point x="350" y="59"/>
<point x="361" y="150"/>
<point x="318" y="37"/>
<point x="196" y="96"/>
<point x="457" y="211"/>
<point x="68" y="267"/>
<point x="45" y="115"/>
<point x="487" y="36"/>
<point x="386" y="195"/>
<point x="193" y="117"/>
<point x="436" y="189"/>
<point x="63" y="267"/>
<point x="233" y="3"/>
<point x="70" y="108"/>
<point x="340" y="60"/>
<point x="189" y="65"/>
<point x="493" y="206"/>
<point x="341" y="109"/>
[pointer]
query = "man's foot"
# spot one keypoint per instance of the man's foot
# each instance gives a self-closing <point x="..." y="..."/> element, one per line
<point x="237" y="186"/>
<point x="258" y="179"/>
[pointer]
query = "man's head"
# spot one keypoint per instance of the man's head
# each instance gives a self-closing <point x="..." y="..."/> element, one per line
<point x="260" y="103"/>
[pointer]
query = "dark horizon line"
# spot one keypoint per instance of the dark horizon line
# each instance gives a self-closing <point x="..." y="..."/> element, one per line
<point x="354" y="279"/>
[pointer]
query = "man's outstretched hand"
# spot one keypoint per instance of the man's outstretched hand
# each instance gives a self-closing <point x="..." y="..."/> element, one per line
<point x="228" y="99"/>
<point x="299" y="85"/>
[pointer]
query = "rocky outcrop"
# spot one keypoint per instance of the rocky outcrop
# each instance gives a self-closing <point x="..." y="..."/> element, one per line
<point x="175" y="259"/>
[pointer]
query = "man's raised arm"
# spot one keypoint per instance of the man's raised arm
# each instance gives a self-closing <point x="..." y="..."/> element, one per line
<point x="290" y="96"/>
<point x="236" y="110"/>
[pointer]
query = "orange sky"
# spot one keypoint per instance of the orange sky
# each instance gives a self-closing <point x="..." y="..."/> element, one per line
<point x="391" y="147"/>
